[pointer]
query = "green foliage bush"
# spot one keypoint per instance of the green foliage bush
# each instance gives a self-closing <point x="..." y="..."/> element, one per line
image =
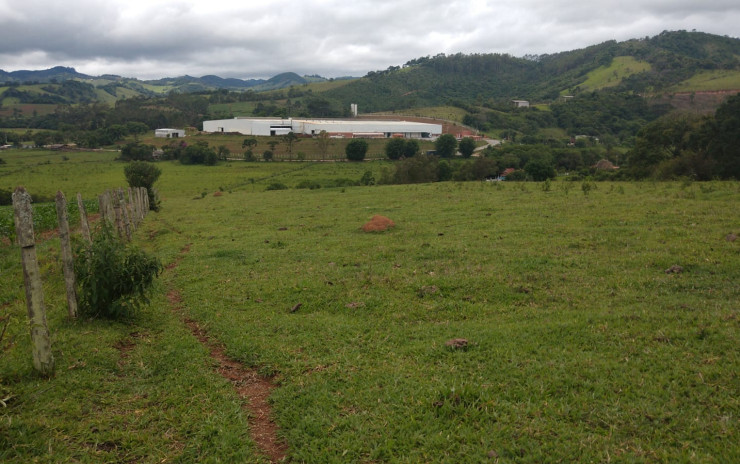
<point x="467" y="147"/>
<point x="367" y="178"/>
<point x="356" y="150"/>
<point x="6" y="197"/>
<point x="136" y="151"/>
<point x="343" y="182"/>
<point x="113" y="278"/>
<point x="143" y="174"/>
<point x="446" y="145"/>
<point x="277" y="186"/>
<point x="308" y="184"/>
<point x="517" y="176"/>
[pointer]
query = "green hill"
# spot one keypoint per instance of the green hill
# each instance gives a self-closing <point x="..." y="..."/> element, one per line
<point x="655" y="64"/>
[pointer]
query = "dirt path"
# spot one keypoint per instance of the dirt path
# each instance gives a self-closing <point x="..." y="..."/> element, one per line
<point x="251" y="388"/>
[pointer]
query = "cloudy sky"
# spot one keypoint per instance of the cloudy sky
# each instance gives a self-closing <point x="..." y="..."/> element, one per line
<point x="257" y="39"/>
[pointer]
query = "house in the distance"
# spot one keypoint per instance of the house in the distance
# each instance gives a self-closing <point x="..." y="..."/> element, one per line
<point x="169" y="133"/>
<point x="520" y="103"/>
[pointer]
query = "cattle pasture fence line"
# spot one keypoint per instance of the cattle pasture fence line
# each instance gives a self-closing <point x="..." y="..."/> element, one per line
<point x="122" y="209"/>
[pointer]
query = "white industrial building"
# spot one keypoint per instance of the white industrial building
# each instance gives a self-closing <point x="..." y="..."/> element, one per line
<point x="169" y="133"/>
<point x="353" y="128"/>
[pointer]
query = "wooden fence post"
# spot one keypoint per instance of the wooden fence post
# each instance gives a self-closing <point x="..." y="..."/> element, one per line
<point x="132" y="206"/>
<point x="124" y="211"/>
<point x="111" y="209"/>
<point x="140" y="195"/>
<point x="117" y="210"/>
<point x="146" y="200"/>
<point x="84" y="224"/>
<point x="68" y="265"/>
<point x="43" y="360"/>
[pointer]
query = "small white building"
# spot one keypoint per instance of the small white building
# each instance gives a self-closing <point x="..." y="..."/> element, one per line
<point x="346" y="128"/>
<point x="520" y="103"/>
<point x="169" y="133"/>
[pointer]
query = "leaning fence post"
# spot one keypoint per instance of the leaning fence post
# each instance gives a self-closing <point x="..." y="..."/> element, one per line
<point x="84" y="224"/>
<point x="43" y="360"/>
<point x="68" y="265"/>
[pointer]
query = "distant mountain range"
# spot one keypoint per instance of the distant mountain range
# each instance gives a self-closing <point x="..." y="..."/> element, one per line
<point x="184" y="84"/>
<point x="678" y="63"/>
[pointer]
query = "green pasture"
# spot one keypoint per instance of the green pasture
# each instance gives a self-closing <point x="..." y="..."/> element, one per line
<point x="709" y="81"/>
<point x="580" y="346"/>
<point x="449" y="113"/>
<point x="308" y="146"/>
<point x="232" y="109"/>
<point x="610" y="76"/>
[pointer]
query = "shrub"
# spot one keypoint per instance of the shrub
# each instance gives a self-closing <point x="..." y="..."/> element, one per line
<point x="356" y="150"/>
<point x="394" y="148"/>
<point x="467" y="147"/>
<point x="308" y="184"/>
<point x="114" y="278"/>
<point x="367" y="178"/>
<point x="143" y="174"/>
<point x="136" y="151"/>
<point x="446" y="145"/>
<point x="517" y="176"/>
<point x="342" y="182"/>
<point x="277" y="186"/>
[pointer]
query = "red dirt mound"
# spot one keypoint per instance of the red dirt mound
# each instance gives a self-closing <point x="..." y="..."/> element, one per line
<point x="378" y="224"/>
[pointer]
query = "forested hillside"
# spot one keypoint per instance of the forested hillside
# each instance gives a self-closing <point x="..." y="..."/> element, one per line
<point x="670" y="58"/>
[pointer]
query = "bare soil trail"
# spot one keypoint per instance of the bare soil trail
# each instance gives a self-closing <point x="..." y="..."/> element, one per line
<point x="253" y="389"/>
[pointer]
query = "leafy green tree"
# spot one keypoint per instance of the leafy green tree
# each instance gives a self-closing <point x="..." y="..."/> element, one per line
<point x="722" y="139"/>
<point x="249" y="143"/>
<point x="444" y="171"/>
<point x="540" y="170"/>
<point x="446" y="145"/>
<point x="223" y="152"/>
<point x="143" y="174"/>
<point x="356" y="149"/>
<point x="395" y="148"/>
<point x="467" y="147"/>
<point x="267" y="155"/>
<point x="661" y="141"/>
<point x="290" y="139"/>
<point x="135" y="151"/>
<point x="136" y="128"/>
<point x="411" y="148"/>
<point x="416" y="170"/>
<point x="199" y="153"/>
<point x="323" y="141"/>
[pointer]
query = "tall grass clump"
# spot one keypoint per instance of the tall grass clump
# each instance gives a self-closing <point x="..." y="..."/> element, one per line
<point x="113" y="277"/>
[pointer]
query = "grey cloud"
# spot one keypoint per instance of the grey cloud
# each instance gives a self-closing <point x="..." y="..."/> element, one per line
<point x="330" y="37"/>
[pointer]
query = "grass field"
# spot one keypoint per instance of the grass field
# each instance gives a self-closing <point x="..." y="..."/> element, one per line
<point x="710" y="81"/>
<point x="581" y="348"/>
<point x="612" y="75"/>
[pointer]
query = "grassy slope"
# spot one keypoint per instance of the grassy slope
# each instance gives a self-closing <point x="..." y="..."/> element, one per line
<point x="582" y="347"/>
<point x="575" y="328"/>
<point x="610" y="76"/>
<point x="710" y="81"/>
